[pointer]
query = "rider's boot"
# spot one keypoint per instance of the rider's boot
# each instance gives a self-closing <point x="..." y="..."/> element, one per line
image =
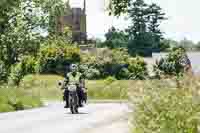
<point x="80" y="103"/>
<point x="66" y="95"/>
<point x="66" y="105"/>
<point x="85" y="97"/>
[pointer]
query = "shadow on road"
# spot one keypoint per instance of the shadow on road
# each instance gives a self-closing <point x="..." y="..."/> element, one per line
<point x="80" y="113"/>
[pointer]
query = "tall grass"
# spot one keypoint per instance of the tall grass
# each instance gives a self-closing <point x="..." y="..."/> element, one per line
<point x="46" y="86"/>
<point x="107" y="90"/>
<point x="165" y="106"/>
<point x="16" y="98"/>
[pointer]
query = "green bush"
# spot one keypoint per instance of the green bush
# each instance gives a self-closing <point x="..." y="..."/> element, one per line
<point x="55" y="55"/>
<point x="173" y="64"/>
<point x="137" y="68"/>
<point x="161" y="107"/>
<point x="3" y="72"/>
<point x="16" y="74"/>
<point x="116" y="63"/>
<point x="92" y="74"/>
<point x="107" y="62"/>
<point x="124" y="73"/>
<point x="110" y="80"/>
<point x="26" y="66"/>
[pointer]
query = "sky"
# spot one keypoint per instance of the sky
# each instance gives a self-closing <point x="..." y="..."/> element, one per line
<point x="183" y="18"/>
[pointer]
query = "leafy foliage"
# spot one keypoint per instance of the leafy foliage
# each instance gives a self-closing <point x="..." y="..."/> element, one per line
<point x="117" y="7"/>
<point x="92" y="74"/>
<point x="137" y="68"/>
<point x="159" y="106"/>
<point x="124" y="73"/>
<point x="116" y="63"/>
<point x="107" y="62"/>
<point x="175" y="63"/>
<point x="27" y="65"/>
<point x="115" y="39"/>
<point x="55" y="54"/>
<point x="51" y="10"/>
<point x="21" y="24"/>
<point x="3" y="72"/>
<point x="145" y="35"/>
<point x="18" y="36"/>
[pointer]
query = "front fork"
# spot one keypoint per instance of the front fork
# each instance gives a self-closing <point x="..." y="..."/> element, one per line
<point x="73" y="98"/>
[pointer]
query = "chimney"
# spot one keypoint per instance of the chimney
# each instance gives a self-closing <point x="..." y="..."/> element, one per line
<point x="84" y="8"/>
<point x="68" y="4"/>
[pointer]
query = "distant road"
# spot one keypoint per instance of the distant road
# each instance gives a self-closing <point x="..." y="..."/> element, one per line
<point x="94" y="118"/>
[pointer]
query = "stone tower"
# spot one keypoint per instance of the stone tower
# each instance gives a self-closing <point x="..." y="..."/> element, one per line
<point x="75" y="19"/>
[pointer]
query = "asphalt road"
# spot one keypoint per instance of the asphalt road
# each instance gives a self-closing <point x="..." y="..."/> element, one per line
<point x="94" y="118"/>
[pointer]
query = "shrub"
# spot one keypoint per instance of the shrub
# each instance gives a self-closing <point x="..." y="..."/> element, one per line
<point x="55" y="55"/>
<point x="110" y="80"/>
<point x="26" y="66"/>
<point x="124" y="73"/>
<point x="108" y="62"/>
<point x="30" y="64"/>
<point x="92" y="74"/>
<point x="3" y="72"/>
<point x="175" y="63"/>
<point x="116" y="63"/>
<point x="137" y="68"/>
<point x="161" y="107"/>
<point x="17" y="74"/>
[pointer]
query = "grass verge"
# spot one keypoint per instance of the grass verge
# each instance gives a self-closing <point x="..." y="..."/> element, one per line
<point x="165" y="106"/>
<point x="15" y="98"/>
<point x="46" y="86"/>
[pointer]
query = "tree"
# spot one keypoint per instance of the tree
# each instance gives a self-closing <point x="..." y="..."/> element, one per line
<point x="144" y="33"/>
<point x="165" y="44"/>
<point x="115" y="39"/>
<point x="198" y="46"/>
<point x="187" y="44"/>
<point x="21" y="23"/>
<point x="18" y="35"/>
<point x="155" y="17"/>
<point x="51" y="10"/>
<point x="117" y="7"/>
<point x="172" y="43"/>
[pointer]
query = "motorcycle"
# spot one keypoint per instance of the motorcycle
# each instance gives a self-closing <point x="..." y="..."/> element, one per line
<point x="73" y="98"/>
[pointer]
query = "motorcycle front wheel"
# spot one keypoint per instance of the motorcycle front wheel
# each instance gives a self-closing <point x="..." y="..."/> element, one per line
<point x="73" y="104"/>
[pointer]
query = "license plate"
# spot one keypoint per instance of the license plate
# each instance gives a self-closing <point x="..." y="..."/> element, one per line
<point x="72" y="87"/>
<point x="84" y="90"/>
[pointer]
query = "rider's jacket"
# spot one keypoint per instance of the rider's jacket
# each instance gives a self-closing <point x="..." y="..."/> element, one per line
<point x="74" y="79"/>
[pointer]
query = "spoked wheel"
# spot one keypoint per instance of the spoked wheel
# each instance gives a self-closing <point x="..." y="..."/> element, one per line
<point x="73" y="107"/>
<point x="76" y="109"/>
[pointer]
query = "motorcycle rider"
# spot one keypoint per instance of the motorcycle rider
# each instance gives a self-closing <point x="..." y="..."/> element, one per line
<point x="74" y="77"/>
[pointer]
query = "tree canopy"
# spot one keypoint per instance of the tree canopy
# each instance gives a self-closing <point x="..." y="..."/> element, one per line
<point x="21" y="25"/>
